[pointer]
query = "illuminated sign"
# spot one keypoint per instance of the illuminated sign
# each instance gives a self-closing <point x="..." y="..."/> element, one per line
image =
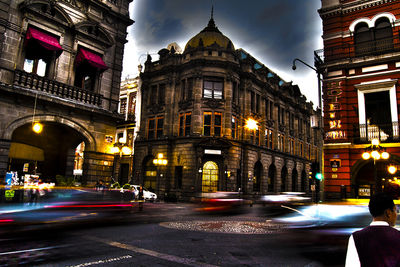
<point x="333" y="93"/>
<point x="212" y="151"/>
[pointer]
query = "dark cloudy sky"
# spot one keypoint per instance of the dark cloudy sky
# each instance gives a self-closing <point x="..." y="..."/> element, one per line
<point x="273" y="31"/>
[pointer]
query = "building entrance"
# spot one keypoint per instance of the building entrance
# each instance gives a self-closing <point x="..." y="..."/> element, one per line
<point x="210" y="177"/>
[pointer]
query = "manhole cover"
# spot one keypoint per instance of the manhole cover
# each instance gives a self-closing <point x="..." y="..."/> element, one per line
<point x="231" y="227"/>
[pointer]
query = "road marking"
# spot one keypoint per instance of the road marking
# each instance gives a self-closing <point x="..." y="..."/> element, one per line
<point x="152" y="253"/>
<point x="29" y="250"/>
<point x="101" y="261"/>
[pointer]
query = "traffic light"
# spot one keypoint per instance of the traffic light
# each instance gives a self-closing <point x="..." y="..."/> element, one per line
<point x="319" y="176"/>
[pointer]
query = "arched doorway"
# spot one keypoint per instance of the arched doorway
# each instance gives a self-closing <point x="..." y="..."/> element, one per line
<point x="283" y="178"/>
<point x="271" y="178"/>
<point x="210" y="177"/>
<point x="149" y="174"/>
<point x="51" y="153"/>
<point x="294" y="180"/>
<point x="257" y="176"/>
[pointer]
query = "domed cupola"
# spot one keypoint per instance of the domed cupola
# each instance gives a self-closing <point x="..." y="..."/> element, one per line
<point x="210" y="37"/>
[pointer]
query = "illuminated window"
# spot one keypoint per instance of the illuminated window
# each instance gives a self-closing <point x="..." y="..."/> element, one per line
<point x="281" y="141"/>
<point x="213" y="88"/>
<point x="184" y="124"/>
<point x="159" y="127"/>
<point x="210" y="177"/>
<point x="269" y="138"/>
<point x="207" y="124"/>
<point x="122" y="106"/>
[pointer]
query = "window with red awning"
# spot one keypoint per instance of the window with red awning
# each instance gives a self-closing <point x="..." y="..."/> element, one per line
<point x="90" y="58"/>
<point x="44" y="40"/>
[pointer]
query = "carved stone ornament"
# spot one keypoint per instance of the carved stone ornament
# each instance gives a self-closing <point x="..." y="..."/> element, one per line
<point x="213" y="103"/>
<point x="270" y="123"/>
<point x="185" y="104"/>
<point x="155" y="108"/>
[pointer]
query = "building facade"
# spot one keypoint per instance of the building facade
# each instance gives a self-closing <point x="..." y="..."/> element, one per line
<point x="360" y="61"/>
<point x="126" y="130"/>
<point x="195" y="127"/>
<point x="60" y="65"/>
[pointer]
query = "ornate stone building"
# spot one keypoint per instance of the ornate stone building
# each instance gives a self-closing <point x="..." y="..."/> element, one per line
<point x="60" y="65"/>
<point x="361" y="61"/>
<point x="193" y="121"/>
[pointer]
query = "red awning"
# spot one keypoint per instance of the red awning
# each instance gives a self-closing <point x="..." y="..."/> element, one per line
<point x="45" y="40"/>
<point x="91" y="58"/>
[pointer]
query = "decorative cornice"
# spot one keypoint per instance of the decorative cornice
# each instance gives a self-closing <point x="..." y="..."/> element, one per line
<point x="351" y="7"/>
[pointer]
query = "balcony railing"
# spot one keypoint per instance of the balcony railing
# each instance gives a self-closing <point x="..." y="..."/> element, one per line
<point x="350" y="50"/>
<point x="384" y="132"/>
<point x="36" y="82"/>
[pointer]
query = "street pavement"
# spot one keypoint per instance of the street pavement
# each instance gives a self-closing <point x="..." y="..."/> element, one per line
<point x="175" y="234"/>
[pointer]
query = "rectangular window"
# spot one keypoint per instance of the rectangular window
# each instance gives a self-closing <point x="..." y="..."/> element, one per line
<point x="207" y="124"/>
<point x="266" y="102"/>
<point x="234" y="93"/>
<point x="153" y="95"/>
<point x="160" y="126"/>
<point x="268" y="138"/>
<point x="257" y="103"/>
<point x="301" y="150"/>
<point x="234" y="127"/>
<point x="189" y="90"/>
<point x="183" y="89"/>
<point x="252" y="102"/>
<point x="281" y="142"/>
<point x="161" y="94"/>
<point x="188" y="122"/>
<point x="212" y="89"/>
<point x="217" y="124"/>
<point x="181" y="124"/>
<point x="122" y="106"/>
<point x="271" y="110"/>
<point x="151" y="128"/>
<point x="185" y="121"/>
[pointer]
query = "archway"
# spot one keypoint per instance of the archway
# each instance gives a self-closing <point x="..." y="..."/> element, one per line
<point x="49" y="154"/>
<point x="210" y="177"/>
<point x="284" y="173"/>
<point x="294" y="180"/>
<point x="271" y="178"/>
<point x="257" y="176"/>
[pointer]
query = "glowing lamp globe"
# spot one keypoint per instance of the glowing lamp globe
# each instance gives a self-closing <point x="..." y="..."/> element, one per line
<point x="366" y="155"/>
<point x="375" y="155"/>
<point x="385" y="155"/>
<point x="37" y="127"/>
<point x="392" y="169"/>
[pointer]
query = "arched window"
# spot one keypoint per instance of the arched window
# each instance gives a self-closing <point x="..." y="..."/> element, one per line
<point x="362" y="39"/>
<point x="294" y="180"/>
<point x="257" y="177"/>
<point x="210" y="177"/>
<point x="271" y="178"/>
<point x="283" y="179"/>
<point x="383" y="35"/>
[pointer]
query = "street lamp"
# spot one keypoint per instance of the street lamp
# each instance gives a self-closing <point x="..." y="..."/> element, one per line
<point x="376" y="152"/>
<point x="119" y="150"/>
<point x="319" y="73"/>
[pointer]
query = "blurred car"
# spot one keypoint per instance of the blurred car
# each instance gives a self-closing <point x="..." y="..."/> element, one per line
<point x="221" y="202"/>
<point x="147" y="194"/>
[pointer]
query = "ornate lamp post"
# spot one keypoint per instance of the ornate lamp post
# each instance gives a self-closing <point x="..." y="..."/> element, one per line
<point x="119" y="150"/>
<point x="376" y="152"/>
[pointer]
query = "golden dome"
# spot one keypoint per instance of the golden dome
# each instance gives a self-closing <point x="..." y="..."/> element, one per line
<point x="210" y="36"/>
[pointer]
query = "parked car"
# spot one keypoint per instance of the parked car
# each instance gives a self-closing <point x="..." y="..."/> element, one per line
<point x="148" y="195"/>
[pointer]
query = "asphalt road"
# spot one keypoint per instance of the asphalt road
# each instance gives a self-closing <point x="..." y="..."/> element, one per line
<point x="175" y="235"/>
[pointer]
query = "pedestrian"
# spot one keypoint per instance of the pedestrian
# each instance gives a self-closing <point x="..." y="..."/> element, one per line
<point x="140" y="198"/>
<point x="379" y="243"/>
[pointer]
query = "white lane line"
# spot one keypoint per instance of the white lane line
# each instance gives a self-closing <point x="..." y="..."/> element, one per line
<point x="101" y="261"/>
<point x="152" y="253"/>
<point x="28" y="250"/>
